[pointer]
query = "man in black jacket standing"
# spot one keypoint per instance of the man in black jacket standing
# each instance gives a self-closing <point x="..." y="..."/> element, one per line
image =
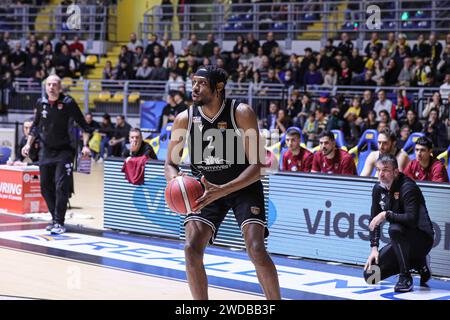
<point x="397" y="199"/>
<point x="52" y="124"/>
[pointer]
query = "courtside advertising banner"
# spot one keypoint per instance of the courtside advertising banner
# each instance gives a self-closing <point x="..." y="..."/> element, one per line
<point x="327" y="218"/>
<point x="20" y="190"/>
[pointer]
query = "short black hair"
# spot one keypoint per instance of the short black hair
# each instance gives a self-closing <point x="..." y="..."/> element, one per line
<point x="389" y="134"/>
<point x="434" y="109"/>
<point x="293" y="132"/>
<point x="426" y="142"/>
<point x="327" y="133"/>
<point x="321" y="110"/>
<point x="136" y="130"/>
<point x="385" y="112"/>
<point x="178" y="93"/>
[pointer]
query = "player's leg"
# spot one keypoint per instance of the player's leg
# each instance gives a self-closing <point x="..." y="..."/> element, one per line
<point x="200" y="229"/>
<point x="249" y="210"/>
<point x="265" y="268"/>
<point x="197" y="236"/>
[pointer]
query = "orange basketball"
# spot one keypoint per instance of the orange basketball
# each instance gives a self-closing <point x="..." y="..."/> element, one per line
<point x="181" y="194"/>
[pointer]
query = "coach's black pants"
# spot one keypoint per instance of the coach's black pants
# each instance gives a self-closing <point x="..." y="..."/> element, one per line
<point x="56" y="179"/>
<point x="408" y="250"/>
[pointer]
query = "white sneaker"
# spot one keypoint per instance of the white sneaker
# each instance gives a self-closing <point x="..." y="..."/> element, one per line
<point x="100" y="160"/>
<point x="58" y="229"/>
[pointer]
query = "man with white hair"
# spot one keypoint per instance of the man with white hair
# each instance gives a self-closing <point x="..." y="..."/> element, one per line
<point x="52" y="124"/>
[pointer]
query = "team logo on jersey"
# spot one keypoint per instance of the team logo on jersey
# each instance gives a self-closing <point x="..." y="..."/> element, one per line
<point x="255" y="210"/>
<point x="222" y="125"/>
<point x="210" y="160"/>
<point x="196" y="119"/>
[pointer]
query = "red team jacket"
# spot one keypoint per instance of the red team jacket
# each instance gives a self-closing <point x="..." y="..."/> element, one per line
<point x="300" y="163"/>
<point x="134" y="169"/>
<point x="342" y="163"/>
<point x="435" y="172"/>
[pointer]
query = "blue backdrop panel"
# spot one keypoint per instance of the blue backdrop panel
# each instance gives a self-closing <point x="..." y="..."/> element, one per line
<point x="143" y="209"/>
<point x="309" y="215"/>
<point x="138" y="208"/>
<point x="326" y="217"/>
<point x="151" y="112"/>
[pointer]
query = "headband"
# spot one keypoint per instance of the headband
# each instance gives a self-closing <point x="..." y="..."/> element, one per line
<point x="202" y="73"/>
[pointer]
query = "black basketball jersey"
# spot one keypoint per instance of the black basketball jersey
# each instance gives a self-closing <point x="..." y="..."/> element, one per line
<point x="216" y="146"/>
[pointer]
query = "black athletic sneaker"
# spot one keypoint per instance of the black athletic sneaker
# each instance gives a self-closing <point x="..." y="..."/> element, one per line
<point x="425" y="272"/>
<point x="404" y="284"/>
<point x="49" y="227"/>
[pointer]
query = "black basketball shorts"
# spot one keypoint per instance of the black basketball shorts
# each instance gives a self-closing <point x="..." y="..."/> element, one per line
<point x="247" y="205"/>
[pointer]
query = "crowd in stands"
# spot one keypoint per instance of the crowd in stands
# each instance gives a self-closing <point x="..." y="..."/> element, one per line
<point x="40" y="58"/>
<point x="392" y="63"/>
<point x="389" y="63"/>
<point x="329" y="158"/>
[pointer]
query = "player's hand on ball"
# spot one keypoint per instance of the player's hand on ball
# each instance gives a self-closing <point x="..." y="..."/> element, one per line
<point x="180" y="173"/>
<point x="212" y="193"/>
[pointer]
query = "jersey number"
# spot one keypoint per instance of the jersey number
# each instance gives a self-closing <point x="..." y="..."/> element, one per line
<point x="210" y="145"/>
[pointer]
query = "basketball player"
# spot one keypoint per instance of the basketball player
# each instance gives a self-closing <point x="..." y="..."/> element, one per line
<point x="386" y="145"/>
<point x="229" y="182"/>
